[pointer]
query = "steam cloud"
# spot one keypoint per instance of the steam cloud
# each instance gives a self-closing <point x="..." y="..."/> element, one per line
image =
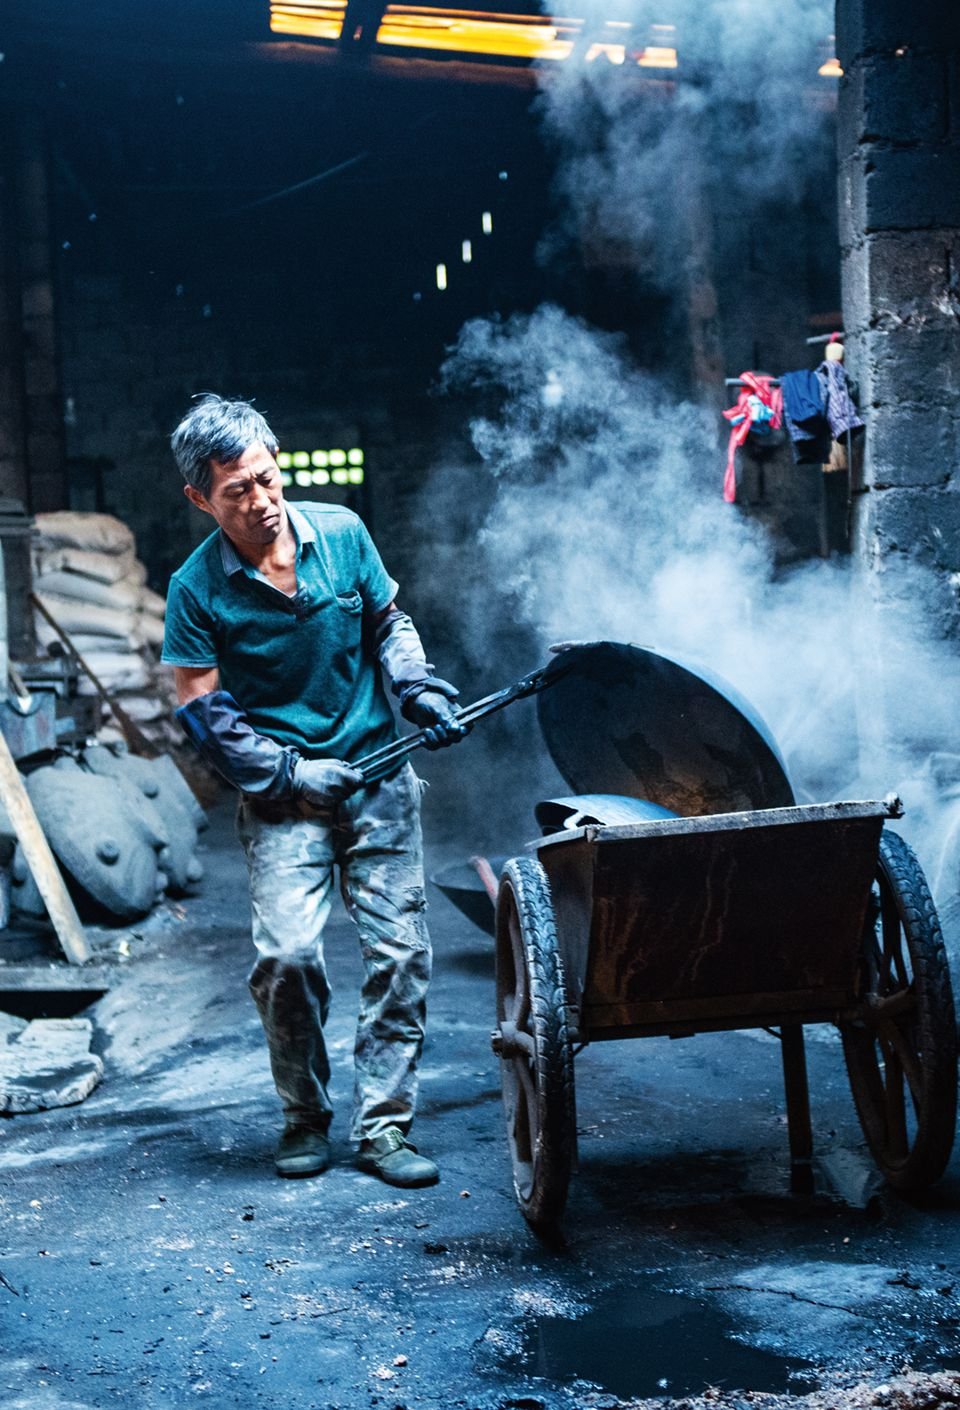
<point x="636" y="161"/>
<point x="605" y="521"/>
<point x="599" y="505"/>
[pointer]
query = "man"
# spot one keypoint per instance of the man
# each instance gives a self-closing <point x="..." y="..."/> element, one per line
<point x="277" y="627"/>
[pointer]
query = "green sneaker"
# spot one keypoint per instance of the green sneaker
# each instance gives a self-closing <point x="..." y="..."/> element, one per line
<point x="391" y="1157"/>
<point x="302" y="1151"/>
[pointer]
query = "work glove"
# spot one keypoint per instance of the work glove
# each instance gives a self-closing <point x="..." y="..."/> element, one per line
<point x="429" y="705"/>
<point x="325" y="782"/>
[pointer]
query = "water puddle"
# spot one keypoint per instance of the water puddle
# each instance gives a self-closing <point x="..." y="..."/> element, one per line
<point x="653" y="1343"/>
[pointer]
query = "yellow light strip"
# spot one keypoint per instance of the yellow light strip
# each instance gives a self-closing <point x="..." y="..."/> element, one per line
<point x="318" y="21"/>
<point x="480" y="32"/>
<point x="657" y="56"/>
<point x="831" y="69"/>
<point x="476" y="32"/>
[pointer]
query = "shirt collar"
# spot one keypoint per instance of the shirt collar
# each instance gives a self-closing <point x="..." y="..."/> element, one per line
<point x="303" y="532"/>
<point x="232" y="562"/>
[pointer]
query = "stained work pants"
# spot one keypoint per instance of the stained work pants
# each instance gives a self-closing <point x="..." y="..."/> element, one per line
<point x="291" y="850"/>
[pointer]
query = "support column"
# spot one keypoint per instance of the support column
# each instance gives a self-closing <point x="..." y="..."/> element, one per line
<point x="899" y="194"/>
<point x="899" y="177"/>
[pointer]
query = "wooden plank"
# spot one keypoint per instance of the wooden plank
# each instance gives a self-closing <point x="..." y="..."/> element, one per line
<point x="36" y="850"/>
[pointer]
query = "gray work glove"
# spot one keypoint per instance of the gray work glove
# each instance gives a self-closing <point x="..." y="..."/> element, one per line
<point x="325" y="782"/>
<point x="430" y="706"/>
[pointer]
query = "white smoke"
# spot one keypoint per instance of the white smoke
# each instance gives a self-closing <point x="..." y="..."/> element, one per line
<point x="603" y="519"/>
<point x="607" y="521"/>
<point x="641" y="154"/>
<point x="598" y="511"/>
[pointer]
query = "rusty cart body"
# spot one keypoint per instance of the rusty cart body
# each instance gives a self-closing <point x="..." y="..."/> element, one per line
<point x="762" y="916"/>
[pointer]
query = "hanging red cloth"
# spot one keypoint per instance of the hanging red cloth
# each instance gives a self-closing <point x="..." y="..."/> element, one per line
<point x="748" y="415"/>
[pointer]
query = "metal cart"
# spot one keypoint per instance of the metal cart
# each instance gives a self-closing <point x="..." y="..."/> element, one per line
<point x="757" y="916"/>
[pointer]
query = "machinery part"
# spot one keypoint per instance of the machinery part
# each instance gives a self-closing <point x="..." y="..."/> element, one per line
<point x="597" y="810"/>
<point x="468" y="886"/>
<point x="29" y="723"/>
<point x="533" y="1044"/>
<point x="628" y="720"/>
<point x="161" y="805"/>
<point x="901" y="1054"/>
<point x="81" y="814"/>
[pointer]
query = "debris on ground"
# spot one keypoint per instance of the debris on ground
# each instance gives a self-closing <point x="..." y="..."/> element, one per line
<point x="913" y="1390"/>
<point x="48" y="1064"/>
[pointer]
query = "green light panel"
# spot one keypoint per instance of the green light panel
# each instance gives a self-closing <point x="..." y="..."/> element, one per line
<point x="321" y="467"/>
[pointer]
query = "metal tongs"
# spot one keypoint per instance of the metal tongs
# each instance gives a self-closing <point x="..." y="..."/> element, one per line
<point x="382" y="761"/>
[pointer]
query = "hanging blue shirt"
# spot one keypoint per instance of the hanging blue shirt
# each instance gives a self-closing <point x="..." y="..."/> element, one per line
<point x="303" y="668"/>
<point x="803" y="411"/>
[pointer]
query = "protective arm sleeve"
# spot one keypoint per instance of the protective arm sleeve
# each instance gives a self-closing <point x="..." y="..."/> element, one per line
<point x="401" y="654"/>
<point x="217" y="727"/>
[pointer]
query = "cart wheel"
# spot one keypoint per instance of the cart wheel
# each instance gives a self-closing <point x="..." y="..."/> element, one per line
<point x="533" y="1043"/>
<point x="901" y="1053"/>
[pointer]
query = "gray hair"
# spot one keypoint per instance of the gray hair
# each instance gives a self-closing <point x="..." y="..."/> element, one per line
<point x="216" y="429"/>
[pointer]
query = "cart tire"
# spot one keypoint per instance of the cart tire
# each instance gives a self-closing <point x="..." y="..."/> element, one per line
<point x="902" y="1054"/>
<point x="537" y="1078"/>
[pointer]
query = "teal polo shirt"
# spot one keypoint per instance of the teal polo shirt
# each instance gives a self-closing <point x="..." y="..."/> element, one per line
<point x="303" y="668"/>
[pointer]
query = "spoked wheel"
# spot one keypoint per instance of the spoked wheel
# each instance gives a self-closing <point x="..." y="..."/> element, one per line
<point x="901" y="1052"/>
<point x="533" y="1043"/>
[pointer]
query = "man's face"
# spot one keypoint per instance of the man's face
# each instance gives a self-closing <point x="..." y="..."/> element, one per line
<point x="245" y="497"/>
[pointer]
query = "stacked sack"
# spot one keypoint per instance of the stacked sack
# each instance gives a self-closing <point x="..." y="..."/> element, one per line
<point x="88" y="577"/>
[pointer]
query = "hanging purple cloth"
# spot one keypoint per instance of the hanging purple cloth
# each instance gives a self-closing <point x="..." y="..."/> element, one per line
<point x="838" y="403"/>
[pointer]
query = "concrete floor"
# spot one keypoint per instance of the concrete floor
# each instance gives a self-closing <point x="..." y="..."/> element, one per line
<point x="155" y="1260"/>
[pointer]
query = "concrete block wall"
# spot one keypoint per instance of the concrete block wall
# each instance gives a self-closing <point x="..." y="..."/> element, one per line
<point x="31" y="416"/>
<point x="130" y="370"/>
<point x="13" y="458"/>
<point x="125" y="382"/>
<point x="899" y="208"/>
